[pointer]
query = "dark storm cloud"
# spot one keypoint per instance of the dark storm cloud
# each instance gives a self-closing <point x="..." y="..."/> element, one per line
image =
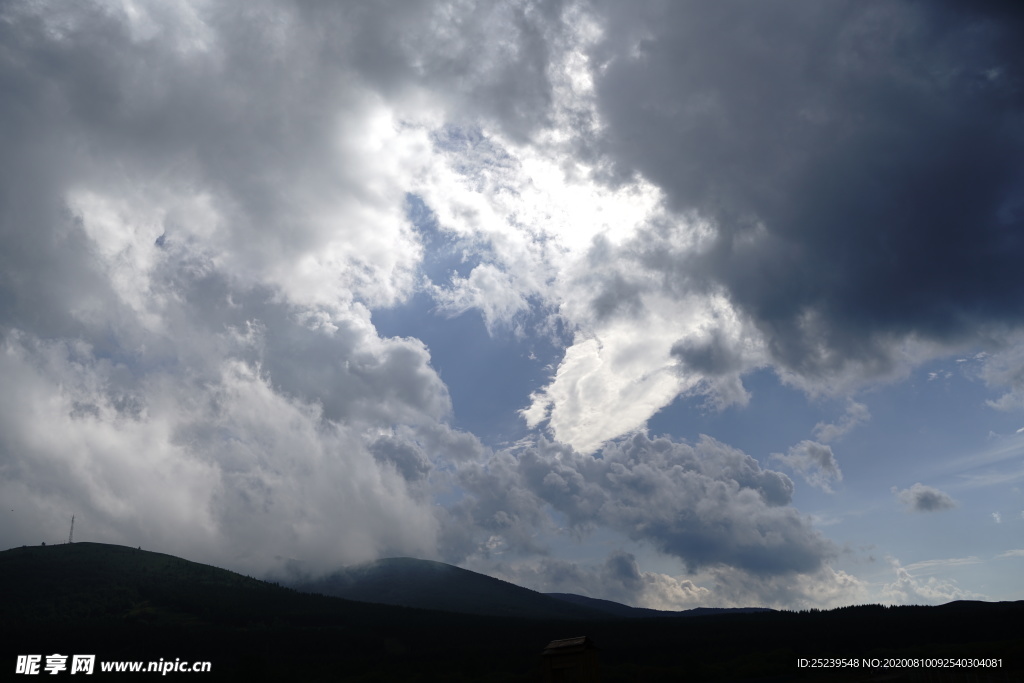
<point x="862" y="163"/>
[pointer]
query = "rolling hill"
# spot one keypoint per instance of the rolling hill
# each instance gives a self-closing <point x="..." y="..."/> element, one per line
<point x="425" y="584"/>
<point x="122" y="603"/>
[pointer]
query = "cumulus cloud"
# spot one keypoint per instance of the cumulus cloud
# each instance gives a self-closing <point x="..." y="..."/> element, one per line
<point x="192" y="236"/>
<point x="618" y="578"/>
<point x="201" y="206"/>
<point x="814" y="461"/>
<point x="823" y="588"/>
<point x="907" y="589"/>
<point x="806" y="161"/>
<point x="921" y="498"/>
<point x="716" y="259"/>
<point x="621" y="579"/>
<point x="706" y="504"/>
<point x="218" y="467"/>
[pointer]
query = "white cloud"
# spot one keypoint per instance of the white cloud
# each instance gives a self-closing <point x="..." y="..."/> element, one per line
<point x="615" y="377"/>
<point x="488" y="289"/>
<point x="604" y="388"/>
<point x="618" y="578"/>
<point x="220" y="468"/>
<point x="823" y="589"/>
<point x="856" y="414"/>
<point x="1004" y="369"/>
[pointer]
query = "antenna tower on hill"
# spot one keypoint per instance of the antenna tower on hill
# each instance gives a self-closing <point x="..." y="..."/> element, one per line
<point x="71" y="534"/>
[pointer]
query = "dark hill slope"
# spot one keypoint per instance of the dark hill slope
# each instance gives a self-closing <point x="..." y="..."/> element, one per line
<point x="121" y="603"/>
<point x="432" y="585"/>
<point x="97" y="580"/>
<point x="125" y="604"/>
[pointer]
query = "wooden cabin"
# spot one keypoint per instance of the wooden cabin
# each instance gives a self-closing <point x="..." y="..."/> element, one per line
<point x="571" y="660"/>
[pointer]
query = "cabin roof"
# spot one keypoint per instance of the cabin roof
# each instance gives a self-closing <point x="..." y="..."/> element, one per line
<point x="567" y="646"/>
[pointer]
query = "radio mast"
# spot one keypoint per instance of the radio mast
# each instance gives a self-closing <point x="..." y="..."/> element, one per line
<point x="71" y="534"/>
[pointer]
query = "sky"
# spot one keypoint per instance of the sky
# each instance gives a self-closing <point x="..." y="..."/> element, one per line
<point x="677" y="304"/>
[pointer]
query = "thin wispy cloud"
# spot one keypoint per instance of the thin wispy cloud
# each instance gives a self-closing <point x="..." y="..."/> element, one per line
<point x="931" y="566"/>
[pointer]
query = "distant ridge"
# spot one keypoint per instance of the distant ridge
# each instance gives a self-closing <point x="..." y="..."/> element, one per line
<point x="619" y="610"/>
<point x="425" y="584"/>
